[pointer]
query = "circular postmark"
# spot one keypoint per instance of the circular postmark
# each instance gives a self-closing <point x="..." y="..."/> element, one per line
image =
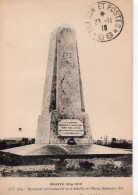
<point x="104" y="21"/>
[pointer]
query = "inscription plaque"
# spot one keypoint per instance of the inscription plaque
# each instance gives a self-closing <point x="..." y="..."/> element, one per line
<point x="70" y="128"/>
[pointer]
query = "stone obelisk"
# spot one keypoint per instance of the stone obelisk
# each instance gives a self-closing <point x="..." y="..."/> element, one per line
<point x="63" y="114"/>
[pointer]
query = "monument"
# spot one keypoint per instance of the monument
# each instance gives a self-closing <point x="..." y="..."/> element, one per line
<point x="63" y="119"/>
<point x="63" y="129"/>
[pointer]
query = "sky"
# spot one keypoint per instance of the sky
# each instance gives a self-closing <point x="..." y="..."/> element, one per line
<point x="106" y="68"/>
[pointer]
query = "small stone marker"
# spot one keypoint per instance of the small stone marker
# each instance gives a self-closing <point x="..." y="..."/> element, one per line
<point x="63" y="114"/>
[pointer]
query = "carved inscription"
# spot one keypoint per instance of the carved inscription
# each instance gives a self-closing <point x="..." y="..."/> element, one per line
<point x="67" y="60"/>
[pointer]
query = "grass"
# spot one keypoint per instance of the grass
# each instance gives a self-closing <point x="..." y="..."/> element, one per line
<point x="120" y="166"/>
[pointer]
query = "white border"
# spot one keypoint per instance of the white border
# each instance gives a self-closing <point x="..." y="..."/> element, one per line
<point x="135" y="95"/>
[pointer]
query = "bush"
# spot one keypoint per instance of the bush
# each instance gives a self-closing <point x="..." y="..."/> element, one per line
<point x="86" y="164"/>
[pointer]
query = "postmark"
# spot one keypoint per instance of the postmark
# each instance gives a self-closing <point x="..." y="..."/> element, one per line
<point x="104" y="21"/>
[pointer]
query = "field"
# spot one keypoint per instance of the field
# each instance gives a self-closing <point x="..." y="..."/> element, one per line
<point x="117" y="166"/>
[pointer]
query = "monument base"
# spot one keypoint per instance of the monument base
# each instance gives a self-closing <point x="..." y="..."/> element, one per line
<point x="63" y="151"/>
<point x="65" y="161"/>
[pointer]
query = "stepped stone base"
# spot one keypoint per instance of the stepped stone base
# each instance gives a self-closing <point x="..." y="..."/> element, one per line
<point x="64" y="149"/>
<point x="41" y="154"/>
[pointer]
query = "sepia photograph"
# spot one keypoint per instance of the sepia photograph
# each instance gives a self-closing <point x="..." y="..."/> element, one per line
<point x="66" y="97"/>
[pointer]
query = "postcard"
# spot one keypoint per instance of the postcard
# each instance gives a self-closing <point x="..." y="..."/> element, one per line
<point x="66" y="97"/>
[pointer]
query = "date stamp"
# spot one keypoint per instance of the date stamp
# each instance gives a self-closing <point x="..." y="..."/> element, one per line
<point x="104" y="21"/>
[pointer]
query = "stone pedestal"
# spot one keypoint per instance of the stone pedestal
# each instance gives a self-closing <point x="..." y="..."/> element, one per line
<point x="63" y="119"/>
